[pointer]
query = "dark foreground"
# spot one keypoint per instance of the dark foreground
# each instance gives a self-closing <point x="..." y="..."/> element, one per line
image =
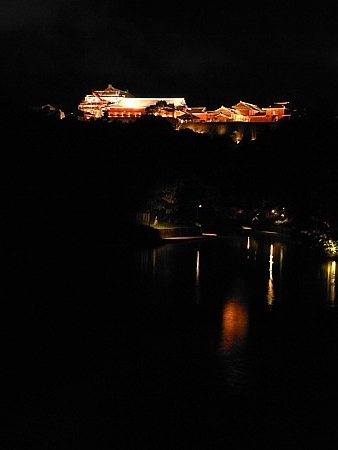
<point x="91" y="357"/>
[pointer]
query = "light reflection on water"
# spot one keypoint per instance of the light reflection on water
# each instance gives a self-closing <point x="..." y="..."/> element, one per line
<point x="197" y="290"/>
<point x="248" y="285"/>
<point x="328" y="275"/>
<point x="232" y="344"/>
<point x="234" y="325"/>
<point x="202" y="262"/>
<point x="246" y="323"/>
<point x="164" y="262"/>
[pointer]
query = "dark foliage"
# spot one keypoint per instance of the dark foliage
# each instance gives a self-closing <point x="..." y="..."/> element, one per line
<point x="75" y="175"/>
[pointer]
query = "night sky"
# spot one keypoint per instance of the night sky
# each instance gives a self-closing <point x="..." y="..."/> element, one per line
<point x="57" y="51"/>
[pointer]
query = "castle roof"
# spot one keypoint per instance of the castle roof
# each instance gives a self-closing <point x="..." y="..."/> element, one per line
<point x="111" y="91"/>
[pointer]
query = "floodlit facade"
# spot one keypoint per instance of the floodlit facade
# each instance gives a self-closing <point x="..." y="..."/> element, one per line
<point x="116" y="104"/>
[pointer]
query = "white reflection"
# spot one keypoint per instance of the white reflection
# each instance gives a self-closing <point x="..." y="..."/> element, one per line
<point x="251" y="247"/>
<point x="197" y="276"/>
<point x="152" y="261"/>
<point x="270" y="296"/>
<point x="271" y="261"/>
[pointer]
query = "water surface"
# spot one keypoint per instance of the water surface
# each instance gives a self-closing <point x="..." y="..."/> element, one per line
<point x="225" y="342"/>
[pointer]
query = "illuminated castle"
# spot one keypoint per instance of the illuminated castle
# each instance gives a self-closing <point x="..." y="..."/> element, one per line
<point x="112" y="104"/>
<point x="115" y="103"/>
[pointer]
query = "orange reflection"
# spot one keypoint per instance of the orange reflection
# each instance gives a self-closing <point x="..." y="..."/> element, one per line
<point x="234" y="325"/>
<point x="270" y="296"/>
<point x="328" y="272"/>
<point x="331" y="277"/>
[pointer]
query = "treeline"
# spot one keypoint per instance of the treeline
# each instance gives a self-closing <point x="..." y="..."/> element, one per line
<point x="99" y="173"/>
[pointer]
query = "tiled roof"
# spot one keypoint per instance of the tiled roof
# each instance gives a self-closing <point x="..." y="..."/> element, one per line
<point x="111" y="91"/>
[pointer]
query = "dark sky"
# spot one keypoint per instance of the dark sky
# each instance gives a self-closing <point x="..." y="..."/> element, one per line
<point x="57" y="51"/>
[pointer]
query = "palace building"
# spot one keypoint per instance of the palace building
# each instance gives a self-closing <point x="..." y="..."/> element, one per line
<point x="116" y="104"/>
